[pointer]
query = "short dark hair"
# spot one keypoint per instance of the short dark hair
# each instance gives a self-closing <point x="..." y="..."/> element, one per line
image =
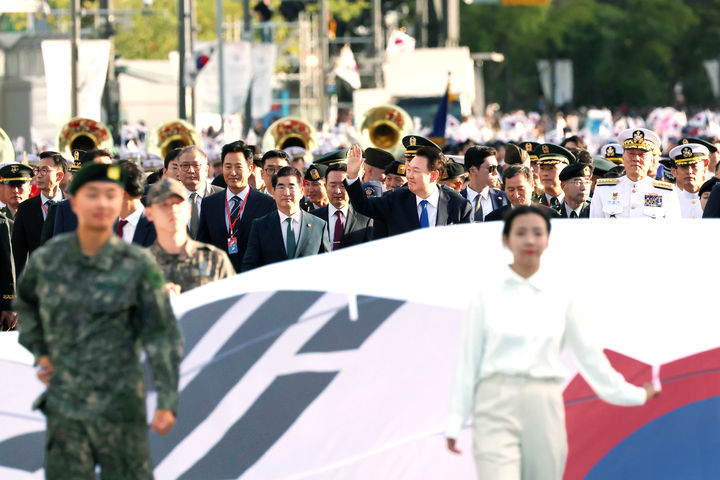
<point x="435" y="159"/>
<point x="238" y="146"/>
<point x="475" y="156"/>
<point x="275" y="154"/>
<point x="336" y="167"/>
<point x="576" y="140"/>
<point x="93" y="154"/>
<point x="57" y="159"/>
<point x="134" y="179"/>
<point x="287" y="172"/>
<point x="513" y="213"/>
<point x="171" y="155"/>
<point x="583" y="156"/>
<point x="511" y="171"/>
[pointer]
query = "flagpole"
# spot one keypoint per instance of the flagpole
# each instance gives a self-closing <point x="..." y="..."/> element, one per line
<point x="221" y="62"/>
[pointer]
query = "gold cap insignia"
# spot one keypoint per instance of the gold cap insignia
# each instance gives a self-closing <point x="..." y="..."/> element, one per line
<point x="586" y="171"/>
<point x="314" y="174"/>
<point x="685" y="141"/>
<point x="545" y="149"/>
<point x="401" y="169"/>
<point x="76" y="155"/>
<point x="528" y="147"/>
<point x="610" y="152"/>
<point x="687" y="152"/>
<point x="638" y="136"/>
<point x="113" y="172"/>
<point x="14" y="169"/>
<point x="412" y="141"/>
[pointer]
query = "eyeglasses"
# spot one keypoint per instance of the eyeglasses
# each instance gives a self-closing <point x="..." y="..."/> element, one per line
<point x="43" y="170"/>
<point x="292" y="186"/>
<point x="492" y="168"/>
<point x="271" y="170"/>
<point x="185" y="167"/>
<point x="580" y="181"/>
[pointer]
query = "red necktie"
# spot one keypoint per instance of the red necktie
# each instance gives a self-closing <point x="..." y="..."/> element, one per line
<point x="339" y="228"/>
<point x="120" y="227"/>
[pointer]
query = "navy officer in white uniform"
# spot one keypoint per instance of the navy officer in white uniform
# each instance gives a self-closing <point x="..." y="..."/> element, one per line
<point x="635" y="194"/>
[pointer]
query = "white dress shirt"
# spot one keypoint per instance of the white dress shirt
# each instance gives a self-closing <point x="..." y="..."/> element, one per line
<point x="228" y="195"/>
<point x="485" y="200"/>
<point x="332" y="219"/>
<point x="57" y="199"/>
<point x="689" y="204"/>
<point x="577" y="210"/>
<point x="518" y="327"/>
<point x="432" y="206"/>
<point x="297" y="225"/>
<point x="131" y="226"/>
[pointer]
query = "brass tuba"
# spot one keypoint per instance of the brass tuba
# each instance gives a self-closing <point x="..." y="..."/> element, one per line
<point x="83" y="134"/>
<point x="172" y="135"/>
<point x="384" y="127"/>
<point x="289" y="132"/>
<point x="7" y="150"/>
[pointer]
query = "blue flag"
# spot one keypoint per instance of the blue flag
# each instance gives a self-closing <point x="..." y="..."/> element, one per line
<point x="438" y="130"/>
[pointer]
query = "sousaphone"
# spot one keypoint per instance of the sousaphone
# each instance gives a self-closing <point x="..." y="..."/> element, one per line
<point x="172" y="135"/>
<point x="289" y="132"/>
<point x="384" y="127"/>
<point x="83" y="134"/>
<point x="7" y="151"/>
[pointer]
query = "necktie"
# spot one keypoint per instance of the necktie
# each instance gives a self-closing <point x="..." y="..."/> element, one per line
<point x="194" y="216"/>
<point x="290" y="238"/>
<point x="424" y="222"/>
<point x="339" y="229"/>
<point x="234" y="208"/>
<point x="553" y="201"/>
<point x="120" y="226"/>
<point x="573" y="214"/>
<point x="478" y="209"/>
<point x="48" y="204"/>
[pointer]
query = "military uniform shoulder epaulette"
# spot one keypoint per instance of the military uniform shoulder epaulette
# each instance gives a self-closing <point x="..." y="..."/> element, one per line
<point x="663" y="185"/>
<point x="607" y="181"/>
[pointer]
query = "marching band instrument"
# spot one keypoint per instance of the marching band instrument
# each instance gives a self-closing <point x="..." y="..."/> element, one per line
<point x="384" y="127"/>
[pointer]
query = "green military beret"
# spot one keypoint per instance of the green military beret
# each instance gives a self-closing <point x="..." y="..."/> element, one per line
<point x="378" y="158"/>
<point x="97" y="172"/>
<point x="453" y="170"/>
<point x="576" y="170"/>
<point x="315" y="172"/>
<point x="331" y="158"/>
<point x="396" y="168"/>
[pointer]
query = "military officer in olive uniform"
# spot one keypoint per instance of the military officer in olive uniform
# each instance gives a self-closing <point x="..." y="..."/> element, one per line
<point x="87" y="302"/>
<point x="635" y="195"/>
<point x="15" y="184"/>
<point x="576" y="180"/>
<point x="552" y="159"/>
<point x="8" y="318"/>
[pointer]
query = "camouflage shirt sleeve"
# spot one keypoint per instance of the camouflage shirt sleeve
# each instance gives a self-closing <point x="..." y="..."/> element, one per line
<point x="32" y="335"/>
<point x="160" y="335"/>
<point x="226" y="267"/>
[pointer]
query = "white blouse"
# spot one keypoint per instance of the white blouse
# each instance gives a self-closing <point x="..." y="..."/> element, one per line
<point x="519" y="326"/>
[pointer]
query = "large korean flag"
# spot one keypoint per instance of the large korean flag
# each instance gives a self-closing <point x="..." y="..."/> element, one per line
<point x="339" y="366"/>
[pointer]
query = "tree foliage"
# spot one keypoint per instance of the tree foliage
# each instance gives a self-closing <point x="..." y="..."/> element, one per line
<point x="625" y="52"/>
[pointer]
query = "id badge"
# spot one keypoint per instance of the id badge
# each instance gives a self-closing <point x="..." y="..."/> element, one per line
<point x="232" y="245"/>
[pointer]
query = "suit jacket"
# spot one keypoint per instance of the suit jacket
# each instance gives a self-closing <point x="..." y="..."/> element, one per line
<point x="212" y="227"/>
<point x="498" y="198"/>
<point x="398" y="207"/>
<point x="26" y="231"/>
<point x="65" y="219"/>
<point x="357" y="229"/>
<point x="266" y="244"/>
<point x="500" y="212"/>
<point x="145" y="233"/>
<point x="584" y="211"/>
<point x="712" y="207"/>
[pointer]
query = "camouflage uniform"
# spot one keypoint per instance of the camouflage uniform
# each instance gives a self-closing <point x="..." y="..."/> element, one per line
<point x="199" y="264"/>
<point x="92" y="315"/>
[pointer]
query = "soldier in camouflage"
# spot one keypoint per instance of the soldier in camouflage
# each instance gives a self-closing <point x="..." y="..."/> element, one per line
<point x="87" y="302"/>
<point x="186" y="263"/>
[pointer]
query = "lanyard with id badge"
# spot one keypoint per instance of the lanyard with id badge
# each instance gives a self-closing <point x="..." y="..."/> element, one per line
<point x="232" y="240"/>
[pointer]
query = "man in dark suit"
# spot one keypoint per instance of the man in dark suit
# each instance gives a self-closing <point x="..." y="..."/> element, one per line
<point x="226" y="216"/>
<point x="419" y="204"/>
<point x="288" y="232"/>
<point x="133" y="226"/>
<point x="193" y="172"/>
<point x="346" y="227"/>
<point x="576" y="180"/>
<point x="31" y="214"/>
<point x="518" y="180"/>
<point x="482" y="166"/>
<point x="60" y="217"/>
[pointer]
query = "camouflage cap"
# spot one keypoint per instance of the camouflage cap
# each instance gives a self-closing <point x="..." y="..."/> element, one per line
<point x="97" y="172"/>
<point x="164" y="189"/>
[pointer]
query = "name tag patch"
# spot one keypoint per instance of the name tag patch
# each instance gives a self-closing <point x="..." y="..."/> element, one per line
<point x="653" y="200"/>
